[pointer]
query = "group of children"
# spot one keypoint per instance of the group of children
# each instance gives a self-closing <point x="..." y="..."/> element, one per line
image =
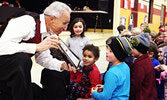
<point x="123" y="81"/>
<point x="157" y="56"/>
<point x="86" y="83"/>
<point x="156" y="52"/>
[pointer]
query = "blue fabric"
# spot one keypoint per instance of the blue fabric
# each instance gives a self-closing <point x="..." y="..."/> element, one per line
<point x="129" y="60"/>
<point x="160" y="87"/>
<point x="116" y="84"/>
<point x="155" y="62"/>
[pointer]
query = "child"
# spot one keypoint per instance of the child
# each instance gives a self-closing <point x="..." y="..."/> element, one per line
<point x="152" y="52"/>
<point x="126" y="33"/>
<point x="82" y="82"/>
<point x="165" y="27"/>
<point x="159" y="38"/>
<point x="143" y="85"/>
<point x="165" y="34"/>
<point x="77" y="39"/>
<point x="160" y="55"/>
<point x="161" y="28"/>
<point x="120" y="28"/>
<point x="117" y="78"/>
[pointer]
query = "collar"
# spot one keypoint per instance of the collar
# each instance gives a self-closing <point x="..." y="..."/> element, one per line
<point x="144" y="56"/>
<point x="43" y="25"/>
<point x="88" y="68"/>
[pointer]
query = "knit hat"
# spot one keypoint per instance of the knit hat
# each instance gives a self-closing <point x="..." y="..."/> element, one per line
<point x="141" y="42"/>
<point x="121" y="47"/>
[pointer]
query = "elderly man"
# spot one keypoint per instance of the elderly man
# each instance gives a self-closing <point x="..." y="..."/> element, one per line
<point x="24" y="36"/>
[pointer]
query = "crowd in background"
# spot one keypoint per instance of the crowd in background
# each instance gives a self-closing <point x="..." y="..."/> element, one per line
<point x="156" y="52"/>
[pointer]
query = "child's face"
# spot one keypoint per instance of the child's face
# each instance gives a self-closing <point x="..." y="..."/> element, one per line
<point x="150" y="37"/>
<point x="110" y="55"/>
<point x="135" y="53"/>
<point x="164" y="35"/>
<point x="160" y="56"/>
<point x="78" y="28"/>
<point x="165" y="28"/>
<point x="160" y="38"/>
<point x="88" y="58"/>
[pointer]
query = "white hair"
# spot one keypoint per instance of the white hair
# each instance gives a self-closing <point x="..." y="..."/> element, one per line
<point x="136" y="30"/>
<point x="126" y="32"/>
<point x="56" y="9"/>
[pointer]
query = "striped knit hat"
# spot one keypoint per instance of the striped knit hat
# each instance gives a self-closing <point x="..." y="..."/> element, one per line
<point x="121" y="47"/>
<point x="141" y="42"/>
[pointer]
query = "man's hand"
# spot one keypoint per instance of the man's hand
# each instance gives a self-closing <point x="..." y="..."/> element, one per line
<point x="71" y="68"/>
<point x="64" y="66"/>
<point x="68" y="67"/>
<point x="49" y="42"/>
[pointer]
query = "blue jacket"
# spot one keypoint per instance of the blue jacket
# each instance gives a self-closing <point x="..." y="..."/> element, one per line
<point x="116" y="84"/>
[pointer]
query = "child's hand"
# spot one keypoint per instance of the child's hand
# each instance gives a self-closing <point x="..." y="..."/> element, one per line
<point x="161" y="67"/>
<point x="99" y="87"/>
<point x="71" y="68"/>
<point x="93" y="89"/>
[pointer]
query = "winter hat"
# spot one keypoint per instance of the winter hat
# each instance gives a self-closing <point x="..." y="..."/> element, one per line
<point x="121" y="47"/>
<point x="141" y="42"/>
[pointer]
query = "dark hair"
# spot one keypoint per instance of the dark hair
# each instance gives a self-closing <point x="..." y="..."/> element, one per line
<point x="162" y="45"/>
<point x="160" y="33"/>
<point x="145" y="24"/>
<point x="161" y="26"/>
<point x="153" y="48"/>
<point x="74" y="21"/>
<point x="165" y="24"/>
<point x="120" y="28"/>
<point x="92" y="48"/>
